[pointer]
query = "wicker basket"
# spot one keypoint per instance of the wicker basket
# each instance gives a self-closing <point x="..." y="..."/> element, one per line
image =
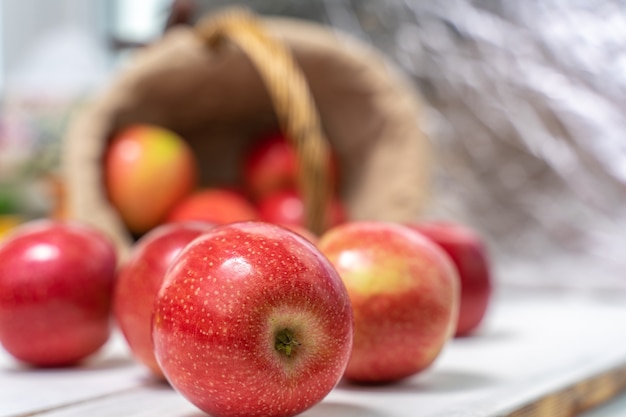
<point x="236" y="75"/>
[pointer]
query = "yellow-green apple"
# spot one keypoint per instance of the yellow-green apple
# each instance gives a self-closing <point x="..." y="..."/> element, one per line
<point x="147" y="170"/>
<point x="405" y="296"/>
<point x="56" y="284"/>
<point x="252" y="320"/>
<point x="139" y="279"/>
<point x="214" y="205"/>
<point x="287" y="208"/>
<point x="469" y="254"/>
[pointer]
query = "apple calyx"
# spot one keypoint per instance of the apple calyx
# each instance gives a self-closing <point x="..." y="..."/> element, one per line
<point x="285" y="342"/>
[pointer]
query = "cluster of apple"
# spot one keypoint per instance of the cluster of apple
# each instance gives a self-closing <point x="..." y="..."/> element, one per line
<point x="247" y="317"/>
<point x="146" y="163"/>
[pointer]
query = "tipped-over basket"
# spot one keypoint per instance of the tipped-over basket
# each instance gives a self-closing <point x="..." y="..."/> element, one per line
<point x="236" y="75"/>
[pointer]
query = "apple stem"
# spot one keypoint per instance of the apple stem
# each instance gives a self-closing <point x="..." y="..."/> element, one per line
<point x="285" y="342"/>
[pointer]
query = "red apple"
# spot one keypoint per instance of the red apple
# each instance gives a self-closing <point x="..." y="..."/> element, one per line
<point x="214" y="205"/>
<point x="252" y="320"/>
<point x="148" y="169"/>
<point x="272" y="165"/>
<point x="56" y="284"/>
<point x="286" y="207"/>
<point x="139" y="280"/>
<point x="404" y="292"/>
<point x="469" y="254"/>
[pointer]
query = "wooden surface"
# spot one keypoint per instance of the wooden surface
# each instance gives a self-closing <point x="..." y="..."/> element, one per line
<point x="537" y="355"/>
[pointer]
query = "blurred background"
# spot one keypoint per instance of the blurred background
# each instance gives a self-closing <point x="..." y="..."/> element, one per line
<point x="525" y="106"/>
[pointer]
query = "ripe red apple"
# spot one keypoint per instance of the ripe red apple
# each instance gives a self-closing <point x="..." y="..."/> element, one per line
<point x="56" y="284"/>
<point x="148" y="169"/>
<point x="139" y="280"/>
<point x="214" y="205"/>
<point x="252" y="320"/>
<point x="405" y="295"/>
<point x="469" y="254"/>
<point x="272" y="165"/>
<point x="286" y="207"/>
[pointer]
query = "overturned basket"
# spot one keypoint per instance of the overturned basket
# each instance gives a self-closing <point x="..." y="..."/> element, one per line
<point x="236" y="75"/>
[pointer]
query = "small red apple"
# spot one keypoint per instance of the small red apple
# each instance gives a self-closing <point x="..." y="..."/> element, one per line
<point x="214" y="205"/>
<point x="286" y="207"/>
<point x="468" y="252"/>
<point x="252" y="320"/>
<point x="139" y="280"/>
<point x="148" y="169"/>
<point x="56" y="284"/>
<point x="404" y="293"/>
<point x="271" y="165"/>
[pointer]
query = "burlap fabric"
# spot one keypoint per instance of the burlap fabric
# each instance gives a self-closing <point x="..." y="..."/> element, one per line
<point x="217" y="101"/>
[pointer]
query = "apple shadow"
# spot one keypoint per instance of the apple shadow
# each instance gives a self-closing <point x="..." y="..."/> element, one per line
<point x="483" y="334"/>
<point x="450" y="381"/>
<point x="154" y="383"/>
<point x="334" y="408"/>
<point x="107" y="362"/>
<point x="87" y="365"/>
<point x="198" y="413"/>
<point x="323" y="409"/>
<point x="439" y="381"/>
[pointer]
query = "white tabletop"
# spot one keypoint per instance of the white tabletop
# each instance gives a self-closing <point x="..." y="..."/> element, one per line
<point x="531" y="345"/>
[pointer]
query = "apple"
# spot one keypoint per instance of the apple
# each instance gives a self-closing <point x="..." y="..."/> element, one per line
<point x="272" y="165"/>
<point x="252" y="320"/>
<point x="468" y="252"/>
<point x="405" y="296"/>
<point x="286" y="207"/>
<point x="139" y="279"/>
<point x="56" y="284"/>
<point x="214" y="205"/>
<point x="147" y="170"/>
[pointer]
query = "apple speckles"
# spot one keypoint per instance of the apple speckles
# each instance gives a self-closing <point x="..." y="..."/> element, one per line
<point x="403" y="295"/>
<point x="255" y="279"/>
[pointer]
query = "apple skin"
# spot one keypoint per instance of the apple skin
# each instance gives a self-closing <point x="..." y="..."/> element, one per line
<point x="229" y="299"/>
<point x="287" y="208"/>
<point x="148" y="169"/>
<point x="138" y="282"/>
<point x="405" y="296"/>
<point x="214" y="205"/>
<point x="56" y="284"/>
<point x="271" y="165"/>
<point x="469" y="254"/>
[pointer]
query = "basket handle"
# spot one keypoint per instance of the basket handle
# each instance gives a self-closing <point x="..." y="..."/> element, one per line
<point x="291" y="98"/>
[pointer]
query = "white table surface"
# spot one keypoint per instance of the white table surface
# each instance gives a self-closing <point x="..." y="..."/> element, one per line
<point x="531" y="344"/>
